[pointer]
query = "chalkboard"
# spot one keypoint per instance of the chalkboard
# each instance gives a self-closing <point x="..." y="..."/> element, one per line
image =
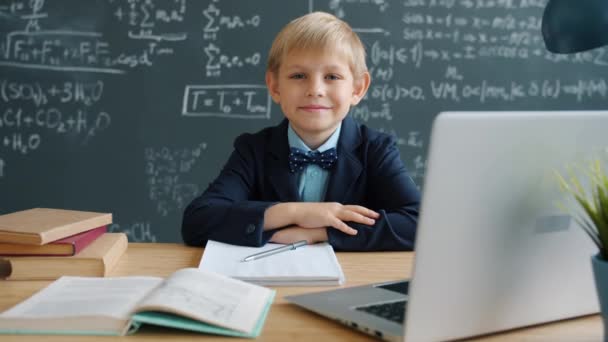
<point x="131" y="107"/>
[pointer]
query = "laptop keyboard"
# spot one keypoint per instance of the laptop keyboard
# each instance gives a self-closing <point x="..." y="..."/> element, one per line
<point x="402" y="287"/>
<point x="393" y="311"/>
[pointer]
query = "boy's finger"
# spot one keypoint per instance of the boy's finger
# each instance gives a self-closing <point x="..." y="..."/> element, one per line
<point x="341" y="226"/>
<point x="356" y="217"/>
<point x="364" y="211"/>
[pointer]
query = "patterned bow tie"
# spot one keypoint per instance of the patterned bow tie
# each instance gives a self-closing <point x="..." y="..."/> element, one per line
<point x="298" y="159"/>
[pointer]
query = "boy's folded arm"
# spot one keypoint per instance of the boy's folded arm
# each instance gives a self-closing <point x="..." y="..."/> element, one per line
<point x="317" y="214"/>
<point x="392" y="193"/>
<point x="391" y="232"/>
<point x="278" y="216"/>
<point x="224" y="212"/>
<point x="294" y="234"/>
<point x="236" y="223"/>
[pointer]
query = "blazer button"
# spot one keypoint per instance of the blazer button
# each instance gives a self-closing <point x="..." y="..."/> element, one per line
<point x="250" y="228"/>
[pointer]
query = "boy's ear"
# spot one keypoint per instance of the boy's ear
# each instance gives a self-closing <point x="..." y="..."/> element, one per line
<point x="273" y="86"/>
<point x="360" y="88"/>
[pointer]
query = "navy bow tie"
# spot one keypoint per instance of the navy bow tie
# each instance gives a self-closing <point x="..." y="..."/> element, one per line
<point x="298" y="159"/>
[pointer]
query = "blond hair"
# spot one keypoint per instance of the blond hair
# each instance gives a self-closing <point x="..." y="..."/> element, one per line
<point x="318" y="30"/>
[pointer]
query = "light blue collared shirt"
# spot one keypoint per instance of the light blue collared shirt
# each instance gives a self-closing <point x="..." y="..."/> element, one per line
<point x="313" y="180"/>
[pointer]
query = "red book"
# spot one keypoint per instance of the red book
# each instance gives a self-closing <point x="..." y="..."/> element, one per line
<point x="68" y="246"/>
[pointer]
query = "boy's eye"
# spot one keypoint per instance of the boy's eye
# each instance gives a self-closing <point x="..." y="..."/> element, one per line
<point x="297" y="76"/>
<point x="332" y="77"/>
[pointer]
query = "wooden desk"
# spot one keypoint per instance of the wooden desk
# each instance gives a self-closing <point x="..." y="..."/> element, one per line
<point x="285" y="322"/>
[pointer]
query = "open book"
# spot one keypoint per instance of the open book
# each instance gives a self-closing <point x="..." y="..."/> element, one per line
<point x="310" y="265"/>
<point x="189" y="299"/>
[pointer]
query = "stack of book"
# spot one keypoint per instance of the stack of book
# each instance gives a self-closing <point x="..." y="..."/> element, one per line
<point x="45" y="244"/>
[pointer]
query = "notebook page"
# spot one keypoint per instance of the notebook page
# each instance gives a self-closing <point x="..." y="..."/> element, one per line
<point x="305" y="264"/>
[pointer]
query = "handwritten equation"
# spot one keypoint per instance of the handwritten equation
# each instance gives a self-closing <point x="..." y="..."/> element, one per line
<point x="136" y="231"/>
<point x="217" y="25"/>
<point x="39" y="93"/>
<point x="30" y="45"/>
<point x="164" y="168"/>
<point x="229" y="101"/>
<point x="31" y="109"/>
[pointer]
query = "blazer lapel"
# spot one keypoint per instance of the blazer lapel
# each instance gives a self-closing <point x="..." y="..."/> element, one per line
<point x="283" y="182"/>
<point x="348" y="167"/>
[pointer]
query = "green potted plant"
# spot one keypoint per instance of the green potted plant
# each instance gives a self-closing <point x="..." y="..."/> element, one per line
<point x="589" y="186"/>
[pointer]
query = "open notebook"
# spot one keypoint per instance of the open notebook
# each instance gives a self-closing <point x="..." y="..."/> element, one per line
<point x="310" y="265"/>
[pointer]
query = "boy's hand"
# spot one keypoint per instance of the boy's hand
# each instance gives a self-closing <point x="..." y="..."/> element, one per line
<point x="295" y="234"/>
<point x="322" y="214"/>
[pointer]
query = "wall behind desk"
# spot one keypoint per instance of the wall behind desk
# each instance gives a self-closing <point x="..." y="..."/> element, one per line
<point x="131" y="107"/>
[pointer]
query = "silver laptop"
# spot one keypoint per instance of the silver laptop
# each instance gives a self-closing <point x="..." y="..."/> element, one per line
<point x="493" y="251"/>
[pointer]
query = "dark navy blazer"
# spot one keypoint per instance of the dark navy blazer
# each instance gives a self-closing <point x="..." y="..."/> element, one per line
<point x="368" y="172"/>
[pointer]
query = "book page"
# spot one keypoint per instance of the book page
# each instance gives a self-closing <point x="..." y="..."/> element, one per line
<point x="82" y="296"/>
<point x="211" y="298"/>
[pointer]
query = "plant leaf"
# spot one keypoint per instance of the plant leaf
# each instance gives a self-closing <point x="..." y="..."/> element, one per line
<point x="588" y="207"/>
<point x="602" y="190"/>
<point x="587" y="228"/>
<point x="592" y="216"/>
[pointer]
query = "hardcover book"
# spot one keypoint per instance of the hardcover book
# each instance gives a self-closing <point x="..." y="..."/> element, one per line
<point x="39" y="226"/>
<point x="97" y="260"/>
<point x="63" y="247"/>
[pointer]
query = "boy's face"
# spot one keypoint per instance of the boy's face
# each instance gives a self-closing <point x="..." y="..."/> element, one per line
<point x="315" y="90"/>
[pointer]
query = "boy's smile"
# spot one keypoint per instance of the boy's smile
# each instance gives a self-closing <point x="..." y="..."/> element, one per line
<point x="314" y="108"/>
<point x="315" y="90"/>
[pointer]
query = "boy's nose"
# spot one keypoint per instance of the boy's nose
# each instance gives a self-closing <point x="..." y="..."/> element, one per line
<point x="315" y="88"/>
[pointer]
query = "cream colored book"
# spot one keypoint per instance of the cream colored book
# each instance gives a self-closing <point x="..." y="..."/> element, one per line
<point x="189" y="299"/>
<point x="39" y="226"/>
<point x="97" y="260"/>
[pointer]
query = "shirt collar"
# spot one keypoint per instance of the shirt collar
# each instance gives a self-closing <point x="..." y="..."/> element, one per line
<point x="295" y="141"/>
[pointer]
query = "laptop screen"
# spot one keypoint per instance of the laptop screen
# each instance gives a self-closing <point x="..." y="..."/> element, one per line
<point x="493" y="251"/>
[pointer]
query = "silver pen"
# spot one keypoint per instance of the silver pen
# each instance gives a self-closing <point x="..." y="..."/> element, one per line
<point x="274" y="251"/>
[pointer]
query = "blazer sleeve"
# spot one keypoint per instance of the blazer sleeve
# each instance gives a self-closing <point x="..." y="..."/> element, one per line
<point x="392" y="193"/>
<point x="225" y="211"/>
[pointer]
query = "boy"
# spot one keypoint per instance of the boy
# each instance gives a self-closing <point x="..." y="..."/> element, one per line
<point x="287" y="183"/>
